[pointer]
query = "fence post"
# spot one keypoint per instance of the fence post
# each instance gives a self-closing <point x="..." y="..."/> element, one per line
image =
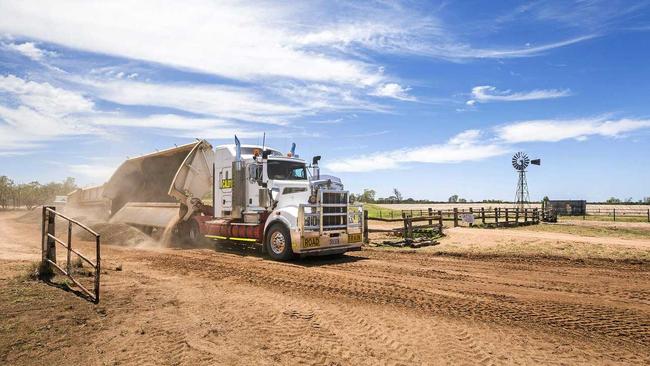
<point x="405" y="232"/>
<point x="44" y="234"/>
<point x="614" y="214"/>
<point x="649" y="215"/>
<point x="430" y="216"/>
<point x="507" y="216"/>
<point x="535" y="216"/>
<point x="98" y="269"/>
<point x="496" y="216"/>
<point x="455" y="217"/>
<point x="50" y="244"/>
<point x="483" y="215"/>
<point x="440" y="220"/>
<point x="409" y="227"/>
<point x="525" y="215"/>
<point x="365" y="226"/>
<point x="471" y="210"/>
<point x="69" y="265"/>
<point x="517" y="215"/>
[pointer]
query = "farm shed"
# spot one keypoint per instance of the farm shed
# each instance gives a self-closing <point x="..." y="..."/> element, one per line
<point x="568" y="207"/>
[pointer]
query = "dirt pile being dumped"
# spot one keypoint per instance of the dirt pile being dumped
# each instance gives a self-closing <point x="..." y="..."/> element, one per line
<point x="115" y="234"/>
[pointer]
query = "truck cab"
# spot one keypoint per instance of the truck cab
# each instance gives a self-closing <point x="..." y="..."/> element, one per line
<point x="274" y="199"/>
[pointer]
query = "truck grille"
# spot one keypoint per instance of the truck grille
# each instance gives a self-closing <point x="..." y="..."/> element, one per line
<point x="335" y="209"/>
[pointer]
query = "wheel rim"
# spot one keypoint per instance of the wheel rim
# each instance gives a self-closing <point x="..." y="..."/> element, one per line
<point x="278" y="242"/>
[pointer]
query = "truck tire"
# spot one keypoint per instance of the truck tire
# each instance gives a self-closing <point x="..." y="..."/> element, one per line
<point x="278" y="243"/>
<point x="194" y="235"/>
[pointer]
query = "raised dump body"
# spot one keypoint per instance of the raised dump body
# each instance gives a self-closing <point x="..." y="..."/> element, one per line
<point x="154" y="190"/>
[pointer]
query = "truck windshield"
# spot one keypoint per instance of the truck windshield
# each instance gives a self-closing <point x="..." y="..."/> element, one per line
<point x="286" y="170"/>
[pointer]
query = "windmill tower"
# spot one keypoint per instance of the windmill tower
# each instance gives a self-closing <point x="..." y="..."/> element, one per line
<point x="520" y="161"/>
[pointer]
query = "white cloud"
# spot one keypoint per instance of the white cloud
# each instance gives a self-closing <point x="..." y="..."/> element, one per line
<point x="206" y="128"/>
<point x="468" y="52"/>
<point x="231" y="39"/>
<point x="557" y="130"/>
<point x="28" y="49"/>
<point x="487" y="93"/>
<point x="276" y="104"/>
<point x="45" y="98"/>
<point x="252" y="41"/>
<point x="466" y="146"/>
<point x="215" y="100"/>
<point x="34" y="112"/>
<point x="393" y="90"/>
<point x="100" y="172"/>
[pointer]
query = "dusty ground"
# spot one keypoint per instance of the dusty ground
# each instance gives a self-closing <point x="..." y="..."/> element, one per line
<point x="462" y="302"/>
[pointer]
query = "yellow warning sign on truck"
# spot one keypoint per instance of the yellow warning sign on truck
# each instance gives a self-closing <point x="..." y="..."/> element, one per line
<point x="225" y="183"/>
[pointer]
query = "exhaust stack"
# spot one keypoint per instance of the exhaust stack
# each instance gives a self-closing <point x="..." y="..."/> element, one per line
<point x="238" y="183"/>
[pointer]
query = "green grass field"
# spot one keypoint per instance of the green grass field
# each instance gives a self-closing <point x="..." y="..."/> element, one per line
<point x="595" y="231"/>
<point x="605" y="218"/>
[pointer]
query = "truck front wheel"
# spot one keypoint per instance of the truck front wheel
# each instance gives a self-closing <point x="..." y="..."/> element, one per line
<point x="278" y="243"/>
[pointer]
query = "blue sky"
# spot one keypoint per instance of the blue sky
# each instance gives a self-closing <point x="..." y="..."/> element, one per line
<point x="431" y="98"/>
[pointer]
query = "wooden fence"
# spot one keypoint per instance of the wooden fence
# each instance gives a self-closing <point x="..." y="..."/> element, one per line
<point x="434" y="220"/>
<point x="637" y="214"/>
<point x="613" y="213"/>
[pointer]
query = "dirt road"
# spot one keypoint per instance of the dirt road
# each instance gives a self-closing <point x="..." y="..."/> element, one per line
<point x="374" y="307"/>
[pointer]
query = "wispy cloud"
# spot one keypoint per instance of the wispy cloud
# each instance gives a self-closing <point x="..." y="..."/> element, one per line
<point x="28" y="49"/>
<point x="234" y="40"/>
<point x="473" y="145"/>
<point x="34" y="112"/>
<point x="487" y="93"/>
<point x="557" y="130"/>
<point x="466" y="146"/>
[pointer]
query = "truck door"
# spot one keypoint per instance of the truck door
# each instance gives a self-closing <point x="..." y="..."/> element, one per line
<point x="225" y="191"/>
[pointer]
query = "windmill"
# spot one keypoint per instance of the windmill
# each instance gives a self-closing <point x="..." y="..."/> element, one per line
<point x="520" y="161"/>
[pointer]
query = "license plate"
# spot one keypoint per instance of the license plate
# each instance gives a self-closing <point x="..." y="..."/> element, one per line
<point x="354" y="238"/>
<point x="311" y="242"/>
<point x="334" y="241"/>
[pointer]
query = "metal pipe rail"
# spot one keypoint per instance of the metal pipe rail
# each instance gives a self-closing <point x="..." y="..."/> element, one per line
<point x="48" y="246"/>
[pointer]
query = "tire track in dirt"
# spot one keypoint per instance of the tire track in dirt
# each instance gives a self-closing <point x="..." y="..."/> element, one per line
<point x="618" y="325"/>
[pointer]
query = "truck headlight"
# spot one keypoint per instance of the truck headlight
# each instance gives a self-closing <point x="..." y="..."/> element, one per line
<point x="312" y="199"/>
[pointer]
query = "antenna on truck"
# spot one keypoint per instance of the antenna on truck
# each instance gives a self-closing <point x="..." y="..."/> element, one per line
<point x="264" y="141"/>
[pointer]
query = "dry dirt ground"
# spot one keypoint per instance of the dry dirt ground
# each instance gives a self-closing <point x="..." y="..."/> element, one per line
<point x="435" y="305"/>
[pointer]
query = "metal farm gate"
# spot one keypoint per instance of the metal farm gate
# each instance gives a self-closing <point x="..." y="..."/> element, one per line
<point x="49" y="249"/>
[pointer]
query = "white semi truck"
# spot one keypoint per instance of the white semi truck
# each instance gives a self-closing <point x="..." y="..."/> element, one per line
<point x="238" y="193"/>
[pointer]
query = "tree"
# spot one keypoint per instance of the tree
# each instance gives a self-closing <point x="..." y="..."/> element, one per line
<point x="613" y="200"/>
<point x="398" y="195"/>
<point x="367" y="196"/>
<point x="6" y="190"/>
<point x="462" y="200"/>
<point x="453" y="199"/>
<point x="646" y="199"/>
